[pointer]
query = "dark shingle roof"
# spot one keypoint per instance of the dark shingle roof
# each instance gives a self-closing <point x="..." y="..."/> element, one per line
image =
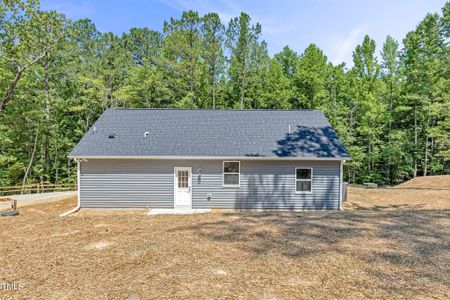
<point x="226" y="133"/>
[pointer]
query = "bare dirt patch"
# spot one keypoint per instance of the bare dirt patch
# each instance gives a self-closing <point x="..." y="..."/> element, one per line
<point x="110" y="212"/>
<point x="397" y="199"/>
<point x="363" y="253"/>
<point x="98" y="245"/>
<point x="421" y="193"/>
<point x="440" y="182"/>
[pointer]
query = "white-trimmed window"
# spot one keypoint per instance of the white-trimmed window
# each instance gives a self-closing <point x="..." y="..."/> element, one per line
<point x="303" y="180"/>
<point x="231" y="173"/>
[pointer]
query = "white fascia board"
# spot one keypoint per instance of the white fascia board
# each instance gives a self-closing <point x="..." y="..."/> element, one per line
<point x="208" y="157"/>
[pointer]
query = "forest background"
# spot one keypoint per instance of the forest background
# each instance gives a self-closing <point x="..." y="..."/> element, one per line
<point x="57" y="76"/>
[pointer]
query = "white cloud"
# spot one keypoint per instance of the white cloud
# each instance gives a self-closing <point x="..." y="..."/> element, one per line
<point x="228" y="10"/>
<point x="343" y="47"/>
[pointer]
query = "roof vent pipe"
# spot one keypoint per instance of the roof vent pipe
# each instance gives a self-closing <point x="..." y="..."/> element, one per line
<point x="146" y="134"/>
<point x="95" y="129"/>
<point x="289" y="128"/>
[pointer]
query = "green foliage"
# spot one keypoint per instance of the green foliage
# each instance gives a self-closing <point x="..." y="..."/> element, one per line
<point x="310" y="79"/>
<point x="248" y="54"/>
<point x="57" y="76"/>
<point x="275" y="91"/>
<point x="212" y="32"/>
<point x="143" y="44"/>
<point x="288" y="59"/>
<point x="144" y="87"/>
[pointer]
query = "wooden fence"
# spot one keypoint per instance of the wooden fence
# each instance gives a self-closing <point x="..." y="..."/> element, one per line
<point x="37" y="188"/>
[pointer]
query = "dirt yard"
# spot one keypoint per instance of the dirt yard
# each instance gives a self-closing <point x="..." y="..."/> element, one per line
<point x="387" y="244"/>
<point x="431" y="192"/>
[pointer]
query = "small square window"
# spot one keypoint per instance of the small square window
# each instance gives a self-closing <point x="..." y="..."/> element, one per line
<point x="231" y="167"/>
<point x="303" y="186"/>
<point x="303" y="173"/>
<point x="231" y="179"/>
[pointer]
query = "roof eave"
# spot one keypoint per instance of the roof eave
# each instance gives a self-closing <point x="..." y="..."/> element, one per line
<point x="208" y="157"/>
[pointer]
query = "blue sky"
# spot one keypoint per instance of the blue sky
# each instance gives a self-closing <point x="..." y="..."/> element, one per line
<point x="335" y="26"/>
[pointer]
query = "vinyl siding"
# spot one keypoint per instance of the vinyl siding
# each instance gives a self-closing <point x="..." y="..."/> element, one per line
<point x="131" y="183"/>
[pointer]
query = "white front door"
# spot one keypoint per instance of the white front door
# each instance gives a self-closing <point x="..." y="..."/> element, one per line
<point x="183" y="187"/>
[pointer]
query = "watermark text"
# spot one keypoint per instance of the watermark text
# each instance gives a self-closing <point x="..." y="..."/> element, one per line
<point x="11" y="286"/>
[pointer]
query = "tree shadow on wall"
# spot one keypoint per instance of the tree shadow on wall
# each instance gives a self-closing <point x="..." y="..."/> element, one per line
<point x="273" y="193"/>
<point x="260" y="194"/>
<point x="311" y="142"/>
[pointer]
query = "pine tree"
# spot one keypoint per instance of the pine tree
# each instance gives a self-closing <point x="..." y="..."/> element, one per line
<point x="390" y="76"/>
<point x="182" y="47"/>
<point x="370" y="108"/>
<point x="213" y="35"/>
<point x="245" y="47"/>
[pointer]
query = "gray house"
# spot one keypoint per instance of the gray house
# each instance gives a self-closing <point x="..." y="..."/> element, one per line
<point x="200" y="159"/>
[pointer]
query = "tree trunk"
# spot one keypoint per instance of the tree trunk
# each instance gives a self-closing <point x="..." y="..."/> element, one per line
<point x="214" y="94"/>
<point x="350" y="119"/>
<point x="68" y="170"/>
<point x="425" y="165"/>
<point x="192" y="64"/>
<point x="191" y="78"/>
<point x="432" y="148"/>
<point x="213" y="71"/>
<point x="390" y="177"/>
<point x="25" y="176"/>
<point x="243" y="71"/>
<point x="415" y="140"/>
<point x="242" y="87"/>
<point x="20" y="69"/>
<point x="11" y="88"/>
<point x="47" y="118"/>
<point x="56" y="164"/>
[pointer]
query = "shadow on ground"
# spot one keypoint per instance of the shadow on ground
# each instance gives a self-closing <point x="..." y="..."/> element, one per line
<point x="387" y="207"/>
<point x="411" y="245"/>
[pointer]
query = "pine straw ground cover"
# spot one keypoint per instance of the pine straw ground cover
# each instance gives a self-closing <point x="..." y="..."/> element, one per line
<point x="363" y="253"/>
